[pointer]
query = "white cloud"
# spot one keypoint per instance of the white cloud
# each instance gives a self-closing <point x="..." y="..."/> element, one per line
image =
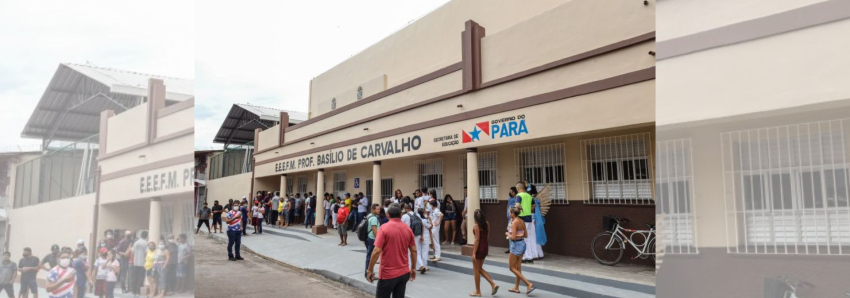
<point x="266" y="52"/>
<point x="155" y="37"/>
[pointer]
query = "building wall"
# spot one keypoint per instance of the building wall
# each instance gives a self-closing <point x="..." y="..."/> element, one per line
<point x="175" y="122"/>
<point x="232" y="187"/>
<point x="269" y="138"/>
<point x="125" y="131"/>
<point x="428" y="44"/>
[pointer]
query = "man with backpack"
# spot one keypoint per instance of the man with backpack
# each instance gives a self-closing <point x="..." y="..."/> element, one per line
<point x="341" y="220"/>
<point x="415" y="223"/>
<point x="368" y="229"/>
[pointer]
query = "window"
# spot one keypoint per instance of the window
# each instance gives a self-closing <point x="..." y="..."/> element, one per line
<point x="487" y="187"/>
<point x="787" y="189"/>
<point x="544" y="165"/>
<point x="386" y="188"/>
<point x="430" y="174"/>
<point x="289" y="185"/>
<point x="675" y="197"/>
<point x="339" y="184"/>
<point x="302" y="185"/>
<point x="617" y="170"/>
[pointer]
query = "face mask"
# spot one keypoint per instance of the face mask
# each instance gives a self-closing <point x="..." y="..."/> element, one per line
<point x="109" y="236"/>
<point x="103" y="245"/>
<point x="161" y="246"/>
<point x="64" y="262"/>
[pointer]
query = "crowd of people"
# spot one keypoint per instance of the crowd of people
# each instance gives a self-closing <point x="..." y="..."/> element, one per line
<point x="120" y="262"/>
<point x="400" y="231"/>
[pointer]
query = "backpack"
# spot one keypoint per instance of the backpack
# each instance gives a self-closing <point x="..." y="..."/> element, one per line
<point x="364" y="228"/>
<point x="415" y="224"/>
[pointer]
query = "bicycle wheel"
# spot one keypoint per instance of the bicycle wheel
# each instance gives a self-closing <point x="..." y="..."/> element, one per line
<point x="610" y="256"/>
<point x="651" y="249"/>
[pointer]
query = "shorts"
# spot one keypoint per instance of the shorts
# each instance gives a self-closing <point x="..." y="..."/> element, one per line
<point x="343" y="230"/>
<point x="518" y="247"/>
<point x="181" y="269"/>
<point x="99" y="287"/>
<point x="150" y="273"/>
<point x="451" y="216"/>
<point x="254" y="221"/>
<point x="29" y="284"/>
<point x="204" y="222"/>
<point x="217" y="220"/>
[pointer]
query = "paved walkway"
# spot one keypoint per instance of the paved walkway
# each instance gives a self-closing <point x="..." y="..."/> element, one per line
<point x="451" y="277"/>
<point x="42" y="293"/>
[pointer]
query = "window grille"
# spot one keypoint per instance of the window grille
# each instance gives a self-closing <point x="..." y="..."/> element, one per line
<point x="430" y="174"/>
<point x="542" y="165"/>
<point x="386" y="188"/>
<point x="289" y="186"/>
<point x="302" y="185"/>
<point x="487" y="186"/>
<point x="617" y="170"/>
<point x="675" y="209"/>
<point x="786" y="189"/>
<point x="339" y="184"/>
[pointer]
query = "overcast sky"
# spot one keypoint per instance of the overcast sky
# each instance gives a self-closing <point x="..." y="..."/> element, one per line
<point x="155" y="37"/>
<point x="266" y="52"/>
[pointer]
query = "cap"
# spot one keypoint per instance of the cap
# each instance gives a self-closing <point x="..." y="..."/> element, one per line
<point x="103" y="250"/>
<point x="347" y="194"/>
<point x="244" y="197"/>
<point x="80" y="241"/>
<point x="54" y="247"/>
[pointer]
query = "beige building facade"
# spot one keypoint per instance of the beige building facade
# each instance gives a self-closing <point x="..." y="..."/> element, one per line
<point x="523" y="90"/>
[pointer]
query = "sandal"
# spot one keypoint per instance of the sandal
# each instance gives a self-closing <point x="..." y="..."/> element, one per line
<point x="474" y="295"/>
<point x="495" y="289"/>
<point x="530" y="290"/>
<point x="514" y="291"/>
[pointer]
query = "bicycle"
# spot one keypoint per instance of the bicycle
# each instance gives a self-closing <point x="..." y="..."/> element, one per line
<point x="609" y="246"/>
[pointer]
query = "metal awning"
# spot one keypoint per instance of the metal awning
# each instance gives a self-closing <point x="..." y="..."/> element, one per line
<point x="71" y="104"/>
<point x="238" y="127"/>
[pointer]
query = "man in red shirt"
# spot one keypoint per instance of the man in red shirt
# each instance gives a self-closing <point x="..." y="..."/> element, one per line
<point x="394" y="241"/>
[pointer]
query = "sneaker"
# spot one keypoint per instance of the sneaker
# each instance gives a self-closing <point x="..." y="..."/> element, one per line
<point x="432" y="258"/>
<point x="231" y="259"/>
<point x="239" y="258"/>
<point x="436" y="259"/>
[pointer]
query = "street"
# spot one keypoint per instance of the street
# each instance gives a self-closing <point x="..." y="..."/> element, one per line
<point x="256" y="277"/>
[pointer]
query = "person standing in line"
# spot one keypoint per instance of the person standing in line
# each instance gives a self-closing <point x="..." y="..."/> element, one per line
<point x="204" y="219"/>
<point x="61" y="279"/>
<point x="335" y="205"/>
<point x="393" y="245"/>
<point x="109" y="239"/>
<point x="140" y="249"/>
<point x="463" y="217"/>
<point x="246" y="214"/>
<point x="261" y="210"/>
<point x="424" y="239"/>
<point x="397" y="195"/>
<point x="254" y="215"/>
<point x="171" y="265"/>
<point x="436" y="217"/>
<point x="348" y="201"/>
<point x="362" y="208"/>
<point x="162" y="269"/>
<point x="151" y="256"/>
<point x="307" y="210"/>
<point x="417" y="201"/>
<point x="184" y="254"/>
<point x="28" y="266"/>
<point x="512" y="201"/>
<point x="299" y="205"/>
<point x="8" y="273"/>
<point x="311" y="211"/>
<point x="99" y="275"/>
<point x="327" y="205"/>
<point x="526" y="200"/>
<point x="234" y="233"/>
<point x="426" y="197"/>
<point x="450" y="215"/>
<point x="374" y="224"/>
<point x="342" y="220"/>
<point x="287" y="211"/>
<point x="113" y="269"/>
<point x="480" y="248"/>
<point x="81" y="266"/>
<point x="121" y="256"/>
<point x="50" y="259"/>
<point x="281" y="214"/>
<point x="516" y="236"/>
<point x="274" y="208"/>
<point x="216" y="216"/>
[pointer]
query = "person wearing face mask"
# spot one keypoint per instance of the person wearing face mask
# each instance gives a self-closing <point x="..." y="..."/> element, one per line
<point x="84" y="277"/>
<point x="139" y="262"/>
<point x="112" y="268"/>
<point x="150" y="256"/>
<point x="233" y="218"/>
<point x="61" y="280"/>
<point x="184" y="254"/>
<point x="109" y="240"/>
<point x="28" y="266"/>
<point x="171" y="265"/>
<point x="122" y="252"/>
<point x="161" y="265"/>
<point x="8" y="272"/>
<point x="50" y="259"/>
<point x="81" y="244"/>
<point x="99" y="273"/>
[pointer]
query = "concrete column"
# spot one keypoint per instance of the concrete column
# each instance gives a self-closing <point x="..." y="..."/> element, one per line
<point x="473" y="201"/>
<point x="283" y="186"/>
<point x="154" y="223"/>
<point x="376" y="182"/>
<point x="319" y="227"/>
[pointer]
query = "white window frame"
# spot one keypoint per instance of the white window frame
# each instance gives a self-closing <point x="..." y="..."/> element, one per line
<point x="488" y="187"/>
<point x="675" y="196"/>
<point x="289" y="186"/>
<point x="430" y="174"/>
<point x="542" y="165"/>
<point x="386" y="188"/>
<point x="302" y="185"/>
<point x="339" y="183"/>
<point x="618" y="170"/>
<point x="772" y="205"/>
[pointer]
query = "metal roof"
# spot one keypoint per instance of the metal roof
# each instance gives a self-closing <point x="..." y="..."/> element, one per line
<point x="238" y="127"/>
<point x="71" y="104"/>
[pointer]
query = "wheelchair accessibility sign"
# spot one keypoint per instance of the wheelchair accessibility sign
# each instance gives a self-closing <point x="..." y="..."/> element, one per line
<point x="356" y="182"/>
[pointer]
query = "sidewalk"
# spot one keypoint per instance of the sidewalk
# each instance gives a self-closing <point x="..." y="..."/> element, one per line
<point x="43" y="293"/>
<point x="555" y="276"/>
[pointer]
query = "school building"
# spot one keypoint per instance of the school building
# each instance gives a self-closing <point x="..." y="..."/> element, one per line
<point x="117" y="156"/>
<point x="753" y="152"/>
<point x="484" y="94"/>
